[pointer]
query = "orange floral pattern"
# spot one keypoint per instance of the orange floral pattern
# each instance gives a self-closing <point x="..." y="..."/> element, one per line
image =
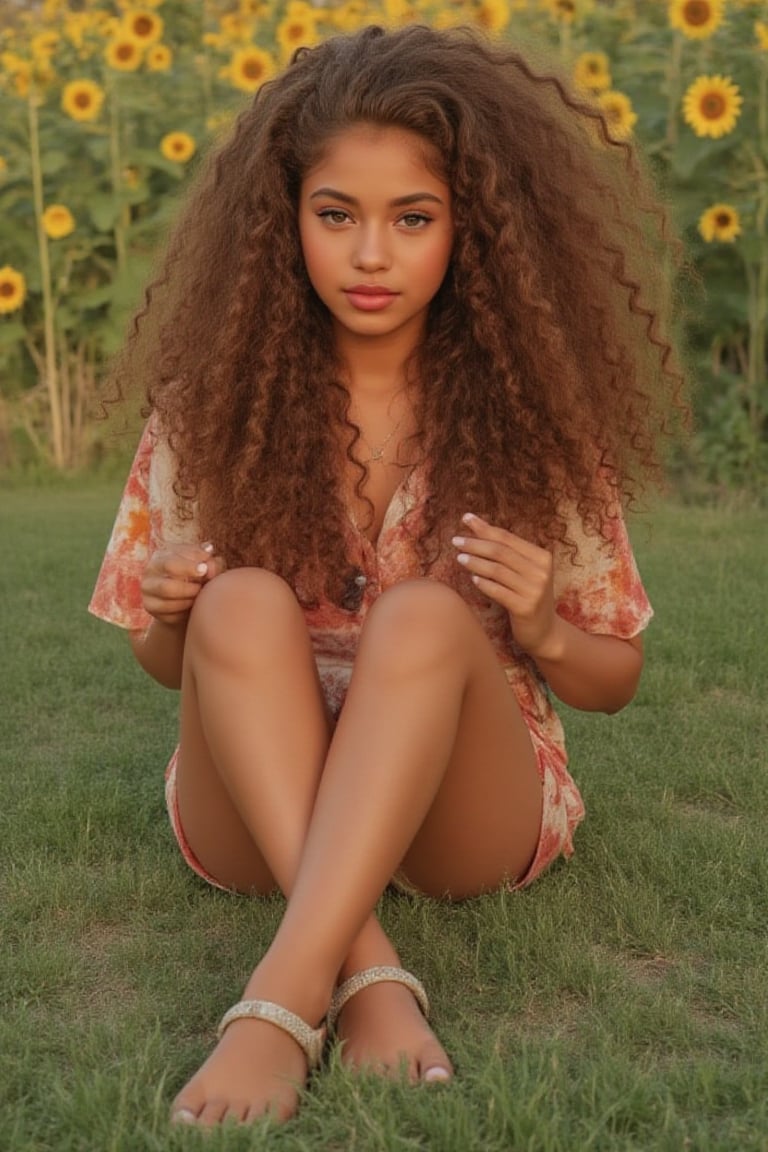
<point x="601" y="593"/>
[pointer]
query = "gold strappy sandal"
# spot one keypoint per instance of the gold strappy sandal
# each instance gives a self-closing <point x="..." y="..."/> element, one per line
<point x="310" y="1040"/>
<point x="367" y="977"/>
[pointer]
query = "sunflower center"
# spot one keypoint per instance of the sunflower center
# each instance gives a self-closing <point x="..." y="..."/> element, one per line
<point x="566" y="6"/>
<point x="142" y="26"/>
<point x="82" y="99"/>
<point x="697" y="13"/>
<point x="723" y="219"/>
<point x="6" y="288"/>
<point x="253" y="69"/>
<point x="124" y="52"/>
<point x="295" y="32"/>
<point x="712" y="105"/>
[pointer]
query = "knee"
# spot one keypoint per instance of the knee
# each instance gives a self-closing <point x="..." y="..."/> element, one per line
<point x="423" y="616"/>
<point x="242" y="603"/>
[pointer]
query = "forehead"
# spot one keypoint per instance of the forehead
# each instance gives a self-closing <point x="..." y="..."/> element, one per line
<point x="375" y="153"/>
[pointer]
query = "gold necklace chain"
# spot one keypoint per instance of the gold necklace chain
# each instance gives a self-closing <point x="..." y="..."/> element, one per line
<point x="377" y="454"/>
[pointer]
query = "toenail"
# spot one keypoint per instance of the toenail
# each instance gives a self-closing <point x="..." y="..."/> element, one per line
<point x="184" y="1116"/>
<point x="433" y="1075"/>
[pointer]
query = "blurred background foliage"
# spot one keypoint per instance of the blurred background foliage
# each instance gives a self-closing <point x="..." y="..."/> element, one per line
<point x="107" y="105"/>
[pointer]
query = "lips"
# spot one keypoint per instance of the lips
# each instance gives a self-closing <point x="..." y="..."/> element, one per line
<point x="369" y="297"/>
<point x="369" y="290"/>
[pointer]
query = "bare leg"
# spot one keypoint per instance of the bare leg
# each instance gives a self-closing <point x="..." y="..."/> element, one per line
<point x="451" y="779"/>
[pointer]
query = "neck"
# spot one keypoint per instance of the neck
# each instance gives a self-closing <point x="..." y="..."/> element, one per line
<point x="374" y="367"/>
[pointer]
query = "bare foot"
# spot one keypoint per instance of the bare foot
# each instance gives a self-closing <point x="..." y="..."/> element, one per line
<point x="255" y="1070"/>
<point x="383" y="1029"/>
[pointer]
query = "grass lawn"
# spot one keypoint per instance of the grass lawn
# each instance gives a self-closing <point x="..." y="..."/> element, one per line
<point x="620" y="1003"/>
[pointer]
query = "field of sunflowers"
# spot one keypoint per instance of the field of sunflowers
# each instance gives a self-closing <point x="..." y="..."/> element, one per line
<point x="107" y="105"/>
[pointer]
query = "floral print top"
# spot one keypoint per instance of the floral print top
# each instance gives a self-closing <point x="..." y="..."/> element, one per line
<point x="600" y="593"/>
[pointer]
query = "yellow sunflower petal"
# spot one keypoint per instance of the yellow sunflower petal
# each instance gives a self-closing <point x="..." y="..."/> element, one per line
<point x="250" y="68"/>
<point x="58" y="221"/>
<point x="178" y="146"/>
<point x="592" y="71"/>
<point x="82" y="99"/>
<point x="13" y="289"/>
<point x="619" y="114"/>
<point x="712" y="105"/>
<point x="123" y="54"/>
<point x="720" y="222"/>
<point x="696" y="19"/>
<point x="142" y="25"/>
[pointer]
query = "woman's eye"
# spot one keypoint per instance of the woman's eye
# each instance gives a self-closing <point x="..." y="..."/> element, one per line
<point x="334" y="215"/>
<point x="415" y="219"/>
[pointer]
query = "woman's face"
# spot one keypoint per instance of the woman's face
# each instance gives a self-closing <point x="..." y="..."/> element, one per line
<point x="376" y="232"/>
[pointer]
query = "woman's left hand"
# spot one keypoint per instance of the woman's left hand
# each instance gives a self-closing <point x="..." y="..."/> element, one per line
<point x="516" y="574"/>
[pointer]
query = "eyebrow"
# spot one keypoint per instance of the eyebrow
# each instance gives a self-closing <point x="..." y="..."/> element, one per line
<point x="398" y="202"/>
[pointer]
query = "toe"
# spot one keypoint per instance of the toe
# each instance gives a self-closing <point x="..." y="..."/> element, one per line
<point x="183" y="1116"/>
<point x="433" y="1064"/>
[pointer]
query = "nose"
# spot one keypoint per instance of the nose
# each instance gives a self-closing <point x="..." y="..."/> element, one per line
<point x="371" y="252"/>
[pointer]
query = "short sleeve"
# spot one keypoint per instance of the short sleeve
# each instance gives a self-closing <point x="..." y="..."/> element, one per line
<point x="146" y="517"/>
<point x="602" y="591"/>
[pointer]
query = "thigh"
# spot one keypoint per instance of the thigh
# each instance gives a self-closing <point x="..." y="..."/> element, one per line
<point x="483" y="827"/>
<point x="224" y="798"/>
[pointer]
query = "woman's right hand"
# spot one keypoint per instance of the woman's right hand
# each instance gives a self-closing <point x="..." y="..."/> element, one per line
<point x="173" y="578"/>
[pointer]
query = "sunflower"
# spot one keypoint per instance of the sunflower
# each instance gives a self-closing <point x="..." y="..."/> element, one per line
<point x="143" y="26"/>
<point x="43" y="44"/>
<point x="564" y="11"/>
<point x="297" y="31"/>
<point x="697" y="19"/>
<point x="249" y="68"/>
<point x="592" y="71"/>
<point x="58" y="221"/>
<point x="350" y="15"/>
<point x="720" y="222"/>
<point x="491" y="15"/>
<point x="82" y="99"/>
<point x="712" y="106"/>
<point x="158" y="58"/>
<point x="761" y="32"/>
<point x="178" y="146"/>
<point x="13" y="289"/>
<point x="123" y="54"/>
<point x="619" y="114"/>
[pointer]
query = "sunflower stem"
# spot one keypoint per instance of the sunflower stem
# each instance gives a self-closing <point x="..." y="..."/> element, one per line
<point x="674" y="73"/>
<point x="119" y="227"/>
<point x="49" y="328"/>
<point x="758" y="337"/>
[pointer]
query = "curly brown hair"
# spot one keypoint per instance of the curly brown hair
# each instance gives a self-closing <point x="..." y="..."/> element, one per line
<point x="546" y="360"/>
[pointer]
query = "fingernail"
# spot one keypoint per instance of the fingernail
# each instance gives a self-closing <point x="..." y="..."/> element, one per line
<point x="462" y="558"/>
<point x="468" y="517"/>
<point x="433" y="1075"/>
<point x="201" y="569"/>
<point x="207" y="547"/>
<point x="459" y="541"/>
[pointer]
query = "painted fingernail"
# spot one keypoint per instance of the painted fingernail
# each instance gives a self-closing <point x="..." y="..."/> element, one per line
<point x="459" y="541"/>
<point x="462" y="558"/>
<point x="207" y="547"/>
<point x="201" y="569"/>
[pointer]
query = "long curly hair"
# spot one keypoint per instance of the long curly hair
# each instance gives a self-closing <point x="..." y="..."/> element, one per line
<point x="546" y="361"/>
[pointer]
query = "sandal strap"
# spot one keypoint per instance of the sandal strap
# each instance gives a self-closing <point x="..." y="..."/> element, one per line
<point x="379" y="975"/>
<point x="310" y="1040"/>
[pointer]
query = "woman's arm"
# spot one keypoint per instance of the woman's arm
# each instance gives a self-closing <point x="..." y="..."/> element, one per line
<point x="171" y="583"/>
<point x="585" y="670"/>
<point x="160" y="651"/>
<point x="588" y="671"/>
